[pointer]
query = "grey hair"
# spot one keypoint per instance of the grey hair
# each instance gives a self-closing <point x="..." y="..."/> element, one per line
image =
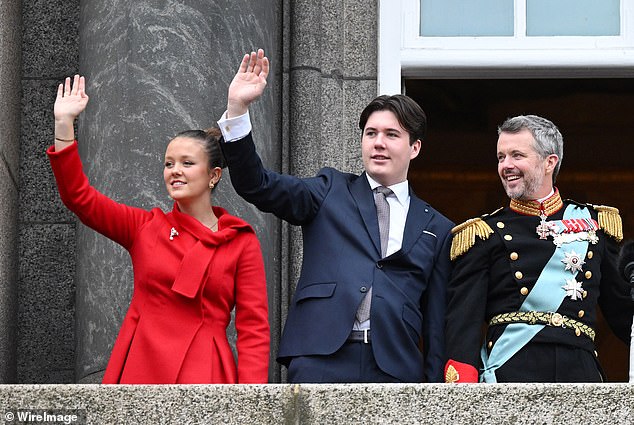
<point x="548" y="139"/>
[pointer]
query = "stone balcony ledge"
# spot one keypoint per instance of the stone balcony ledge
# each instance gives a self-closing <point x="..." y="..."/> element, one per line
<point x="328" y="403"/>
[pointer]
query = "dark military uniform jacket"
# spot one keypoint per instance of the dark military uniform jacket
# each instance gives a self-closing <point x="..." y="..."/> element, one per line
<point x="499" y="258"/>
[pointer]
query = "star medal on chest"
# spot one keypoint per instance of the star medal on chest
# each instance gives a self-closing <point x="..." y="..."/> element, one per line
<point x="573" y="262"/>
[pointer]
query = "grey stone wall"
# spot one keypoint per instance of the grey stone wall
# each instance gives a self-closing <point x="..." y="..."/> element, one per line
<point x="332" y="73"/>
<point x="153" y="70"/>
<point x="10" y="59"/>
<point x="150" y="81"/>
<point x="46" y="300"/>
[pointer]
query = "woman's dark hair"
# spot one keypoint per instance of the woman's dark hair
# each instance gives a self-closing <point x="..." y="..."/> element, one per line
<point x="210" y="140"/>
<point x="408" y="113"/>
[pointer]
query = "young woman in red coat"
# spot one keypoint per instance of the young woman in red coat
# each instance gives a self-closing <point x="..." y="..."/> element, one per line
<point x="191" y="265"/>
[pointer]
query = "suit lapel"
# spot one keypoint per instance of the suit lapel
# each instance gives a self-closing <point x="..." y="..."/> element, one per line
<point x="363" y="197"/>
<point x="418" y="217"/>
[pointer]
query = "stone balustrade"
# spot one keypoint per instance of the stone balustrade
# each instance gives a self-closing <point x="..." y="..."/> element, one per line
<point x="328" y="404"/>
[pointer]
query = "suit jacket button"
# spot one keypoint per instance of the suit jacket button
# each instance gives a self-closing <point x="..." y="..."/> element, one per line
<point x="363" y="289"/>
<point x="379" y="265"/>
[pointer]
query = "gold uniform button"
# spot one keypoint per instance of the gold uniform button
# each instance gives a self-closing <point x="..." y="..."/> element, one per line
<point x="490" y="344"/>
<point x="514" y="256"/>
<point x="585" y="294"/>
<point x="524" y="291"/>
<point x="578" y="332"/>
<point x="588" y="274"/>
<point x="590" y="254"/>
<point x="508" y="237"/>
<point x="500" y="225"/>
<point x="581" y="313"/>
<point x="518" y="275"/>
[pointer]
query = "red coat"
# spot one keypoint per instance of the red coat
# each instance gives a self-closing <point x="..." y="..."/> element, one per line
<point x="187" y="280"/>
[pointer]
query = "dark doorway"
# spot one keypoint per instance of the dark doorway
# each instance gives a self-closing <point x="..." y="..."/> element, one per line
<point x="458" y="172"/>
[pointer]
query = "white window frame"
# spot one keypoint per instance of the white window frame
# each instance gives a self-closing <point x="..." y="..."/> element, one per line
<point x="404" y="53"/>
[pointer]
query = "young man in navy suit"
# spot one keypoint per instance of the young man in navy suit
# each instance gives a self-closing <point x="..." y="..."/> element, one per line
<point x="376" y="257"/>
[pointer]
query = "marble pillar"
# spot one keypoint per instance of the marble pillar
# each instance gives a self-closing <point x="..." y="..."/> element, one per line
<point x="154" y="69"/>
<point x="10" y="75"/>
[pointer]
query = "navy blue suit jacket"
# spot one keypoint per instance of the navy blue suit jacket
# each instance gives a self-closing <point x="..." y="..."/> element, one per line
<point x="342" y="259"/>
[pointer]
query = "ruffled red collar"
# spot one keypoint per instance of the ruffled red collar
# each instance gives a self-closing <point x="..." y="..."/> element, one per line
<point x="191" y="274"/>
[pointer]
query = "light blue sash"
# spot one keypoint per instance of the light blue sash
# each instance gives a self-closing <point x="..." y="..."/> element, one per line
<point x="546" y="296"/>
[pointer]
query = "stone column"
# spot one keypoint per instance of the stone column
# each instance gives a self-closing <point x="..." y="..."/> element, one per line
<point x="154" y="69"/>
<point x="10" y="93"/>
<point x="332" y="70"/>
<point x="46" y="294"/>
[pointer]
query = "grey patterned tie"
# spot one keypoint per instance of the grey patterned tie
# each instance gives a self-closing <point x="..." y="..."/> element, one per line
<point x="383" y="215"/>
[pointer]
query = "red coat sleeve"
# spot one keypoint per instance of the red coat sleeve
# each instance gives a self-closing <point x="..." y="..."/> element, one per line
<point x="252" y="319"/>
<point x="116" y="221"/>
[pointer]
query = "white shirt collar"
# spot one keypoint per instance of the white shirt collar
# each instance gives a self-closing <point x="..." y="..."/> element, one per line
<point x="552" y="192"/>
<point x="401" y="190"/>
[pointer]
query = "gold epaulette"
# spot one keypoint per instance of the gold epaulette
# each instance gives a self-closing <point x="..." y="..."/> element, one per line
<point x="464" y="235"/>
<point x="610" y="221"/>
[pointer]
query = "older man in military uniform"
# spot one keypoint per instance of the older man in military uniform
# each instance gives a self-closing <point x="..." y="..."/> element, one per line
<point x="534" y="272"/>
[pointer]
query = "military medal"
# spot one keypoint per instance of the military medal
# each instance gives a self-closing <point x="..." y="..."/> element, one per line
<point x="569" y="230"/>
<point x="573" y="289"/>
<point x="562" y="238"/>
<point x="573" y="262"/>
<point x="544" y="229"/>
<point x="592" y="237"/>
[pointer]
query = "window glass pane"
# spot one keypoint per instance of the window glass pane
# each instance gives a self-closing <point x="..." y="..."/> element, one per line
<point x="447" y="18"/>
<point x="573" y="17"/>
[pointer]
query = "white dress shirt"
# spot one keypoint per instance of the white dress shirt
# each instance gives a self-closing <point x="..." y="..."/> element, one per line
<point x="234" y="128"/>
